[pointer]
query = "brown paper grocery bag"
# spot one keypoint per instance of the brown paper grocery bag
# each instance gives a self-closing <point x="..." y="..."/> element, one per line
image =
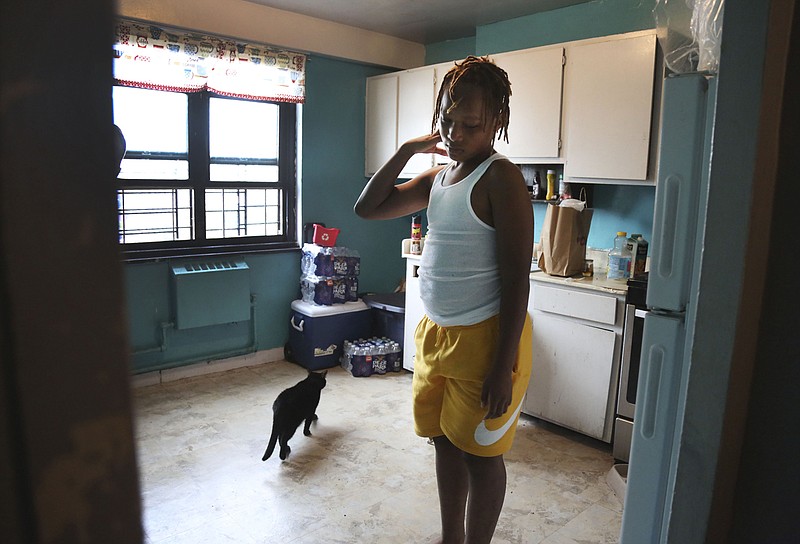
<point x="562" y="248"/>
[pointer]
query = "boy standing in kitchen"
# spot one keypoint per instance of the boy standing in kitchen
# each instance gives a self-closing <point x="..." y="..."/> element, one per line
<point x="473" y="347"/>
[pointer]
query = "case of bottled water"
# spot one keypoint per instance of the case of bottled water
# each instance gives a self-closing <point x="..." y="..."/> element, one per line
<point x="371" y="356"/>
<point x="329" y="274"/>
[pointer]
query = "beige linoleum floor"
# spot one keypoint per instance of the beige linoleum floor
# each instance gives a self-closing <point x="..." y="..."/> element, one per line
<point x="363" y="477"/>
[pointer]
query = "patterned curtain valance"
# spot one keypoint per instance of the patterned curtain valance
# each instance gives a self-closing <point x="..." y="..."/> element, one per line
<point x="175" y="60"/>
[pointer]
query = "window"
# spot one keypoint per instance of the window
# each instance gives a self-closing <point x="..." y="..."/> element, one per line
<point x="210" y="127"/>
<point x="204" y="173"/>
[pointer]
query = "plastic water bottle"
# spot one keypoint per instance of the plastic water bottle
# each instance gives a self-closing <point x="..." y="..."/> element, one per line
<point x="346" y="360"/>
<point x="394" y="357"/>
<point x="619" y="258"/>
<point x="379" y="358"/>
<point x="362" y="362"/>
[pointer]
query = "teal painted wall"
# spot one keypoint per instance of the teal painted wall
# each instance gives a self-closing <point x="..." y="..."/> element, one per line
<point x="617" y="207"/>
<point x="333" y="170"/>
<point x="332" y="177"/>
<point x="620" y="207"/>
<point x="589" y="20"/>
<point x="449" y="50"/>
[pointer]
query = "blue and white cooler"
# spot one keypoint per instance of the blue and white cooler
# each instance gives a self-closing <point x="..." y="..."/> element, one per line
<point x="317" y="333"/>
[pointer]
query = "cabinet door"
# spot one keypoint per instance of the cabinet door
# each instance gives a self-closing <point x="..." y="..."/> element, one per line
<point x="535" y="103"/>
<point x="441" y="70"/>
<point x="608" y="100"/>
<point x="381" y="121"/>
<point x="415" y="103"/>
<point x="571" y="377"/>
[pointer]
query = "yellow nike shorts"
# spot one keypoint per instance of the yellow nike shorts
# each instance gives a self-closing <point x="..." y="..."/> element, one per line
<point x="449" y="369"/>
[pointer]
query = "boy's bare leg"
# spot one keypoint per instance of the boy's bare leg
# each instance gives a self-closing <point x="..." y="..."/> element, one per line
<point x="487" y="490"/>
<point x="452" y="479"/>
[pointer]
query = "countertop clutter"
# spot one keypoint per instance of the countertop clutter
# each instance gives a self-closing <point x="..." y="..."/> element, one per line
<point x="596" y="282"/>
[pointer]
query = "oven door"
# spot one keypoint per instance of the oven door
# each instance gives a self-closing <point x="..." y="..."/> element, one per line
<point x="631" y="356"/>
<point x="628" y="379"/>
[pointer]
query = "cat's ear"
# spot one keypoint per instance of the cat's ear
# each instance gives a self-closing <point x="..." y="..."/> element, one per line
<point x="324" y="373"/>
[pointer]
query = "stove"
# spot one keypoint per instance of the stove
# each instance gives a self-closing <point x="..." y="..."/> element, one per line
<point x="635" y="312"/>
<point x="637" y="291"/>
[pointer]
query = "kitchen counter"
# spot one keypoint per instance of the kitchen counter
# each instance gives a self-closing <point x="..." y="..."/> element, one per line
<point x="597" y="282"/>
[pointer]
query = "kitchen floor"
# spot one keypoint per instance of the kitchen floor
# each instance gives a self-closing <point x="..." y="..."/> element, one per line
<point x="363" y="477"/>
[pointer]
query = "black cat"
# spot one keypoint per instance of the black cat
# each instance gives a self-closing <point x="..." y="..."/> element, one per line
<point x="292" y="406"/>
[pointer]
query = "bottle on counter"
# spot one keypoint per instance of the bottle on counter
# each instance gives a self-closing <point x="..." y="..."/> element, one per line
<point x="416" y="235"/>
<point x="620" y="258"/>
<point x="639" y="256"/>
<point x="631" y="243"/>
<point x="536" y="186"/>
<point x="551" y="185"/>
<point x="564" y="191"/>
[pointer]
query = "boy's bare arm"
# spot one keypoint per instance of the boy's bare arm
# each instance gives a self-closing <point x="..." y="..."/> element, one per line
<point x="382" y="199"/>
<point x="513" y="221"/>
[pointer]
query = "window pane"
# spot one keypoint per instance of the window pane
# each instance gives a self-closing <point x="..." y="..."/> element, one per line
<point x="243" y="172"/>
<point x="152" y="121"/>
<point x="243" y="129"/>
<point x="243" y="140"/>
<point x="234" y="213"/>
<point x="154" y="215"/>
<point x="154" y="169"/>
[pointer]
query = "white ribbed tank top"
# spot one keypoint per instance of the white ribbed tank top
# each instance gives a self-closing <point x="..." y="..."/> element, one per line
<point x="459" y="279"/>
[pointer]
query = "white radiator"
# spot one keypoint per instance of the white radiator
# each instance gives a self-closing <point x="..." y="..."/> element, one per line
<point x="210" y="293"/>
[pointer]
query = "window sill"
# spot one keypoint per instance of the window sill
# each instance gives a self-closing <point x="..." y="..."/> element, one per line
<point x="205" y="252"/>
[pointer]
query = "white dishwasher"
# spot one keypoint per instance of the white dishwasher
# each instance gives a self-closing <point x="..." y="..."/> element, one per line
<point x="577" y="337"/>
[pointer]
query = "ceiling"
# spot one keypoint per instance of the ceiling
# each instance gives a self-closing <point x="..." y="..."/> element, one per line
<point x="421" y="21"/>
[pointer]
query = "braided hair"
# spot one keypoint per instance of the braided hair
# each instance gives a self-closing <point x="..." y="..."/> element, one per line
<point x="489" y="78"/>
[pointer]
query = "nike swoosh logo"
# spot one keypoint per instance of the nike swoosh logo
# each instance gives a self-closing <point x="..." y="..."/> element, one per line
<point x="485" y="437"/>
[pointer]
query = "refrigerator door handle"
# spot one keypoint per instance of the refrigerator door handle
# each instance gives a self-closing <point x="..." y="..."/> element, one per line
<point x="670" y="222"/>
<point x="654" y="374"/>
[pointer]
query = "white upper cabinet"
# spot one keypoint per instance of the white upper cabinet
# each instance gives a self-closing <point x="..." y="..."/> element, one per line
<point x="381" y="121"/>
<point x="415" y="104"/>
<point x="608" y="102"/>
<point x="441" y="71"/>
<point x="399" y="107"/>
<point x="592" y="112"/>
<point x="535" y="105"/>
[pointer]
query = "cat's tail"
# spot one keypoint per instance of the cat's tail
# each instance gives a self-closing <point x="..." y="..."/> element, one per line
<point x="273" y="439"/>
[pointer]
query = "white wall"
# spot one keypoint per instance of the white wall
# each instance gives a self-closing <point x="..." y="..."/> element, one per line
<point x="250" y="21"/>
